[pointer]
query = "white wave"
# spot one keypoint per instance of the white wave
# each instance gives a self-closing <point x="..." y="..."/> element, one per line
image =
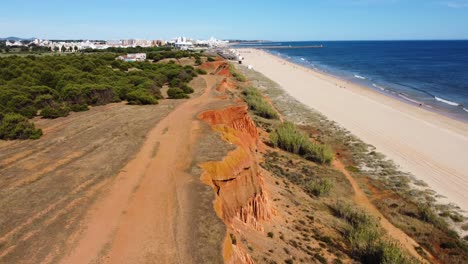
<point x="360" y="77"/>
<point x="409" y="99"/>
<point x="302" y="59"/>
<point x="378" y="86"/>
<point x="446" y="101"/>
<point x="466" y="110"/>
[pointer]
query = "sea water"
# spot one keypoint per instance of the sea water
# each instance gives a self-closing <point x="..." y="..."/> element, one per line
<point x="429" y="74"/>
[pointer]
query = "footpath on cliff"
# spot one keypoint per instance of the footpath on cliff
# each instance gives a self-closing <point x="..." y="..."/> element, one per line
<point x="147" y="214"/>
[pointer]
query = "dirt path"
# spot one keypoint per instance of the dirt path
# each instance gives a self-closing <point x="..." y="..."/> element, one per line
<point x="143" y="217"/>
<point x="394" y="232"/>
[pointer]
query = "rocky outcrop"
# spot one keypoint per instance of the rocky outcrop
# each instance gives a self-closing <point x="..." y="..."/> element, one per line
<point x="237" y="179"/>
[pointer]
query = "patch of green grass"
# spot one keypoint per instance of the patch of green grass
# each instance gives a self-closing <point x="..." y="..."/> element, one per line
<point x="365" y="237"/>
<point x="319" y="186"/>
<point x="237" y="75"/>
<point x="258" y="104"/>
<point x="288" y="137"/>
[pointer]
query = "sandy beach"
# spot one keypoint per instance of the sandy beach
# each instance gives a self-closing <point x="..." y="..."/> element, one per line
<point x="432" y="147"/>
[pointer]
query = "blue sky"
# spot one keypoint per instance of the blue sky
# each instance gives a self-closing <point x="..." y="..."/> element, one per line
<point x="243" y="19"/>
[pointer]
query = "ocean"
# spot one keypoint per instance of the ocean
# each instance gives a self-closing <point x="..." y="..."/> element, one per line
<point x="432" y="74"/>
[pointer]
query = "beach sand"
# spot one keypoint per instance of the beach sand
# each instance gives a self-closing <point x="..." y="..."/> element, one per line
<point x="432" y="147"/>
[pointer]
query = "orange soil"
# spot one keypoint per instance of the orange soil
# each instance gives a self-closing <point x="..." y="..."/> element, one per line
<point x="239" y="186"/>
<point x="142" y="216"/>
<point x="220" y="68"/>
<point x="394" y="232"/>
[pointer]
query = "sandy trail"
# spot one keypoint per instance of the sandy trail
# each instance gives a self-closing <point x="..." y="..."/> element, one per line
<point x="430" y="146"/>
<point x="142" y="218"/>
<point x="361" y="198"/>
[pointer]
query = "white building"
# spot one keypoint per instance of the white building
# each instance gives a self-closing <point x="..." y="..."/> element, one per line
<point x="131" y="57"/>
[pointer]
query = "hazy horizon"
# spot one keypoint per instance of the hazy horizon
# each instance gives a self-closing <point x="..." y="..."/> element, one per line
<point x="322" y="20"/>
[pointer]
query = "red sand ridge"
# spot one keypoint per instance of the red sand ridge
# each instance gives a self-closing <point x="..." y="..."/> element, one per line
<point x="225" y="85"/>
<point x="237" y="181"/>
<point x="220" y="68"/>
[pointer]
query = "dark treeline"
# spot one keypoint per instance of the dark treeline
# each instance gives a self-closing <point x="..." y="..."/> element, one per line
<point x="52" y="86"/>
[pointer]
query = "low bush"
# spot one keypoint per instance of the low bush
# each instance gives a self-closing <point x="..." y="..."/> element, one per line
<point x="79" y="107"/>
<point x="140" y="97"/>
<point x="365" y="237"/>
<point x="352" y="215"/>
<point x="211" y="59"/>
<point x="287" y="137"/>
<point x="426" y="214"/>
<point x="187" y="89"/>
<point x="16" y="126"/>
<point x="238" y="76"/>
<point x="257" y="103"/>
<point x="198" y="60"/>
<point x="200" y="71"/>
<point x="176" y="93"/>
<point x="319" y="186"/>
<point x="55" y="112"/>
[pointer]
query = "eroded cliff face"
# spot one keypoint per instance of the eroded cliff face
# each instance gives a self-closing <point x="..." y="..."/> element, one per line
<point x="237" y="179"/>
<point x="220" y="68"/>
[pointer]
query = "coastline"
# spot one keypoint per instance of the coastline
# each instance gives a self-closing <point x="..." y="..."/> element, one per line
<point x="429" y="145"/>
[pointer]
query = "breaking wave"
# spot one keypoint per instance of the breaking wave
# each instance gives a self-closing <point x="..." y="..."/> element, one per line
<point x="446" y="101"/>
<point x="378" y="86"/>
<point x="360" y="77"/>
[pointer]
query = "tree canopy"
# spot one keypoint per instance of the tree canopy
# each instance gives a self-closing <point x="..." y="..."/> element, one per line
<point x="52" y="86"/>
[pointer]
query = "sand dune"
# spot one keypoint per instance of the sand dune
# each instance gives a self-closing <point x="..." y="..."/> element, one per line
<point x="432" y="147"/>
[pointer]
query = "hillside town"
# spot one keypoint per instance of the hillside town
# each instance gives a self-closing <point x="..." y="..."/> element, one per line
<point x="182" y="43"/>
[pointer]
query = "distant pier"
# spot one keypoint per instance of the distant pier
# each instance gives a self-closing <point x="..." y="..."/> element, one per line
<point x="289" y="47"/>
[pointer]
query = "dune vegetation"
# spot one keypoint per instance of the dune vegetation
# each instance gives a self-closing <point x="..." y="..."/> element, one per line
<point x="52" y="86"/>
<point x="258" y="104"/>
<point x="288" y="137"/>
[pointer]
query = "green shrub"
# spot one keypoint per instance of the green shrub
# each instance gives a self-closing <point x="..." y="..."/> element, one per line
<point x="79" y="107"/>
<point x="176" y="93"/>
<point x="426" y="214"/>
<point x="55" y="112"/>
<point x="365" y="237"/>
<point x="198" y="60"/>
<point x="200" y="71"/>
<point x="287" y="137"/>
<point x="211" y="59"/>
<point x="140" y="97"/>
<point x="319" y="186"/>
<point x="352" y="215"/>
<point x="16" y="126"/>
<point x="44" y="100"/>
<point x="31" y="83"/>
<point x="384" y="252"/>
<point x="187" y="89"/>
<point x="258" y="104"/>
<point x="236" y="74"/>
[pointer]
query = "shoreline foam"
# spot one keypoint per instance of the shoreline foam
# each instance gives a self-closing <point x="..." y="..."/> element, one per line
<point x="431" y="102"/>
<point x="427" y="144"/>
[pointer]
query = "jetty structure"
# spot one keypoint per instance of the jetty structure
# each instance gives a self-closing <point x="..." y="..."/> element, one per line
<point x="290" y="47"/>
